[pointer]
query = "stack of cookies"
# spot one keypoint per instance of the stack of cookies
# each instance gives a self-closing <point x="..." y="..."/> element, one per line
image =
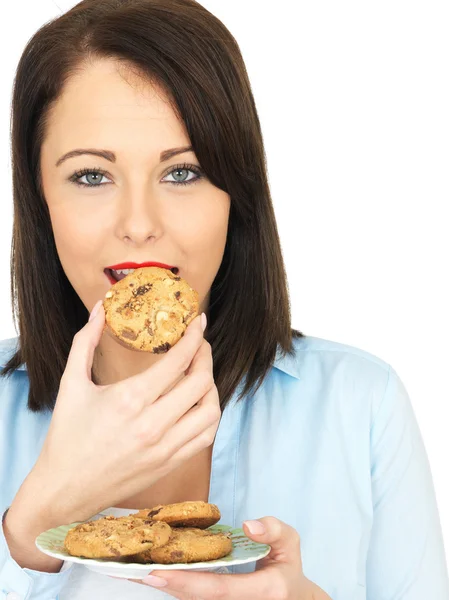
<point x="164" y="534"/>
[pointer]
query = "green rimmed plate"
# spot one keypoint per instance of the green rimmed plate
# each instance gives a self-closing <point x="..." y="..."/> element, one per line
<point x="244" y="550"/>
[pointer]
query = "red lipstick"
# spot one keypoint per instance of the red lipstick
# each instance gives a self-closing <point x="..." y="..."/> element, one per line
<point x="133" y="265"/>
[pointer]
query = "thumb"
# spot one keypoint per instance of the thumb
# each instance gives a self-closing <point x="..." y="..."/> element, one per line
<point x="283" y="539"/>
<point x="79" y="362"/>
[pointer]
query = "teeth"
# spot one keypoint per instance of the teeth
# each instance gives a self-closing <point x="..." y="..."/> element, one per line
<point x="124" y="271"/>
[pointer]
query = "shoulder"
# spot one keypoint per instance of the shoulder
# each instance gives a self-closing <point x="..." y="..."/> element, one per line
<point x="14" y="386"/>
<point x="21" y="431"/>
<point x="333" y="373"/>
<point x="310" y="352"/>
<point x="8" y="347"/>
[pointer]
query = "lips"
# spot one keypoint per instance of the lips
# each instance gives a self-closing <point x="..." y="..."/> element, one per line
<point x="131" y="265"/>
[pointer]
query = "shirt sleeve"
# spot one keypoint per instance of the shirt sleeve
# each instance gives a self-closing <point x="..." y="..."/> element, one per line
<point x="27" y="584"/>
<point x="406" y="558"/>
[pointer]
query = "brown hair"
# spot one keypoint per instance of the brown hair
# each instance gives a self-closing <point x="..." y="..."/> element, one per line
<point x="191" y="54"/>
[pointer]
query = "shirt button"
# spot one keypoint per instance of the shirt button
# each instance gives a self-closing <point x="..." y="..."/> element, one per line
<point x="13" y="596"/>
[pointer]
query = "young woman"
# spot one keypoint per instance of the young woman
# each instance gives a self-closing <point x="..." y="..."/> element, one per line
<point x="135" y="138"/>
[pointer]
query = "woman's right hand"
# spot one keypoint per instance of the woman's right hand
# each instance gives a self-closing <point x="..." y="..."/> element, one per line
<point x="106" y="443"/>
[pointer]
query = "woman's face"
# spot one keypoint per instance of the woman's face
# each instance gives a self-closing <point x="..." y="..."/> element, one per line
<point x="134" y="210"/>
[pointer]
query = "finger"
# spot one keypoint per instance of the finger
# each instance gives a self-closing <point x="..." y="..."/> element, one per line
<point x="196" y="430"/>
<point x="284" y="540"/>
<point x="210" y="586"/>
<point x="202" y="359"/>
<point x="152" y="382"/>
<point x="173" y="594"/>
<point x="170" y="407"/>
<point x="173" y="384"/>
<point x="81" y="355"/>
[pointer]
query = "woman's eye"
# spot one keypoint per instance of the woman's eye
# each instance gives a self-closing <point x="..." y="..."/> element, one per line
<point x="92" y="178"/>
<point x="181" y="175"/>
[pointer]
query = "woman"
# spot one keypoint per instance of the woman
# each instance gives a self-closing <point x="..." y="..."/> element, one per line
<point x="149" y="102"/>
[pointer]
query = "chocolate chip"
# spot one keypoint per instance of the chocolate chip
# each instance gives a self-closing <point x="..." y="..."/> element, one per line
<point x="160" y="350"/>
<point x="177" y="295"/>
<point x="129" y="334"/>
<point x="142" y="289"/>
<point x="153" y="512"/>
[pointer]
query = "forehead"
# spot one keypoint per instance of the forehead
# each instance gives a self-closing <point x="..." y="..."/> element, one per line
<point x="105" y="102"/>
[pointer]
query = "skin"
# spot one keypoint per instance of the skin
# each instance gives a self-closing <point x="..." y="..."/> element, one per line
<point x="135" y="214"/>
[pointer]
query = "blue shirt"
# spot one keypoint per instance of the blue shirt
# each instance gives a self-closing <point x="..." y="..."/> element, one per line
<point x="329" y="444"/>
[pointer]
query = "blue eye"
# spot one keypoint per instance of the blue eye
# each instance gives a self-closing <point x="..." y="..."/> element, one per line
<point x="98" y="175"/>
<point x="185" y="168"/>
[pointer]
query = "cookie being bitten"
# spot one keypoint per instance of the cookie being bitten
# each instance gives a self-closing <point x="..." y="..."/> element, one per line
<point x="150" y="309"/>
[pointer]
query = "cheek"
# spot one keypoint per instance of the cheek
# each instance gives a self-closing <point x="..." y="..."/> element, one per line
<point x="205" y="232"/>
<point x="202" y="236"/>
<point x="77" y="236"/>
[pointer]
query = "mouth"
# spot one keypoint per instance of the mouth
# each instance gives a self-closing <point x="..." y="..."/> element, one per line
<point x="116" y="273"/>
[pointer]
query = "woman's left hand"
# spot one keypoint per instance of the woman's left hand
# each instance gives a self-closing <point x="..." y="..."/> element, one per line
<point x="277" y="576"/>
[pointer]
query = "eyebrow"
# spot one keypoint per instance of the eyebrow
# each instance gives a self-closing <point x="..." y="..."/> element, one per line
<point x="109" y="155"/>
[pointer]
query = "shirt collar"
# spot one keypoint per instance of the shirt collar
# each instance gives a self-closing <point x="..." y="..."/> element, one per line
<point x="288" y="363"/>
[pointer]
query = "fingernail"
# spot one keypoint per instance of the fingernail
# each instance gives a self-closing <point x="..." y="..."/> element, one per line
<point x="203" y="321"/>
<point x="95" y="310"/>
<point x="255" y="527"/>
<point x="155" y="581"/>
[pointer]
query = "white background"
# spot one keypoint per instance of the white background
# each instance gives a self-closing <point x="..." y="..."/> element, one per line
<point x="353" y="99"/>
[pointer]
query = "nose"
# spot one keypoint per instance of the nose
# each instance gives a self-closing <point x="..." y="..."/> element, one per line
<point x="140" y="219"/>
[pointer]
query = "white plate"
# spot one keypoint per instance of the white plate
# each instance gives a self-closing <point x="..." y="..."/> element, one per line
<point x="244" y="550"/>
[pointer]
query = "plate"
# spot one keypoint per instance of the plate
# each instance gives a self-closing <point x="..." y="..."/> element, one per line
<point x="244" y="550"/>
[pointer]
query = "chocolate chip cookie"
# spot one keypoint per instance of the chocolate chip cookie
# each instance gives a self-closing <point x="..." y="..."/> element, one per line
<point x="150" y="309"/>
<point x="183" y="514"/>
<point x="187" y="545"/>
<point x="113" y="537"/>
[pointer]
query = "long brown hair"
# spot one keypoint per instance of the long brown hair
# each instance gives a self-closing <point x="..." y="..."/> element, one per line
<point x="189" y="52"/>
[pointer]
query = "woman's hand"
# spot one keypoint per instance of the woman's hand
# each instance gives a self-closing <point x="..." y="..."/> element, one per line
<point x="278" y="576"/>
<point x="109" y="442"/>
